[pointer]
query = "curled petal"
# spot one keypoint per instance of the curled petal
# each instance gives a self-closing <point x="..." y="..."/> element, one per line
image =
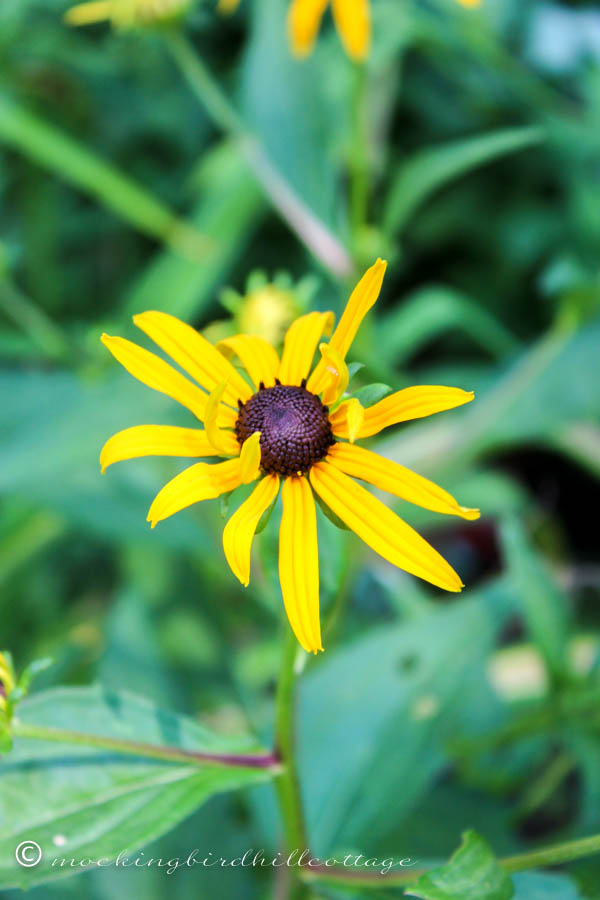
<point x="300" y="344"/>
<point x="336" y="372"/>
<point x="250" y="458"/>
<point x="194" y="354"/>
<point x="361" y="300"/>
<point x="239" y="531"/>
<point x="380" y="528"/>
<point x="258" y="357"/>
<point x="161" y="440"/>
<point x="396" y="479"/>
<point x="410" y="403"/>
<point x="202" y="481"/>
<point x="299" y="562"/>
<point x="353" y="22"/>
<point x="304" y="19"/>
<point x="216" y="435"/>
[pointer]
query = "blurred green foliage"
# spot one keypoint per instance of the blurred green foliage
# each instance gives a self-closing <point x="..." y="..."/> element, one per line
<point x="118" y="194"/>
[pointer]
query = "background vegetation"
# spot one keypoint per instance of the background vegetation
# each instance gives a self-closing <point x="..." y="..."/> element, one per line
<point x="119" y="194"/>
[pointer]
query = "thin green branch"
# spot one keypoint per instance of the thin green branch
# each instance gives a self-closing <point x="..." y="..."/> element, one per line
<point x="302" y="220"/>
<point x="137" y="748"/>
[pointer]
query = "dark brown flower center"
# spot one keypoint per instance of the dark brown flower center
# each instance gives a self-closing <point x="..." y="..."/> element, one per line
<point x="294" y="427"/>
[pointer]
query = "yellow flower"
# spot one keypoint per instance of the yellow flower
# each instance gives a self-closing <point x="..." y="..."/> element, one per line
<point x="7" y="682"/>
<point x="276" y="427"/>
<point x="125" y="13"/>
<point x="352" y="19"/>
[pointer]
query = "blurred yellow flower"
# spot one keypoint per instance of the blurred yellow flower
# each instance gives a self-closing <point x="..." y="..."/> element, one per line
<point x="352" y="19"/>
<point x="125" y="13"/>
<point x="7" y="682"/>
<point x="276" y="427"/>
<point x="266" y="312"/>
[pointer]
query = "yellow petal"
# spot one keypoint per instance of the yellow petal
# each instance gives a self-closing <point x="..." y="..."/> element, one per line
<point x="239" y="531"/>
<point x="410" y="403"/>
<point x="227" y="7"/>
<point x="202" y="481"/>
<point x="304" y="19"/>
<point x="194" y="354"/>
<point x="380" y="528"/>
<point x="161" y="440"/>
<point x="89" y="13"/>
<point x="250" y="458"/>
<point x="337" y="373"/>
<point x="157" y="374"/>
<point x="361" y="300"/>
<point x="300" y="344"/>
<point x="396" y="479"/>
<point x="218" y="437"/>
<point x="353" y="22"/>
<point x="354" y="412"/>
<point x="299" y="562"/>
<point x="470" y="3"/>
<point x="258" y="357"/>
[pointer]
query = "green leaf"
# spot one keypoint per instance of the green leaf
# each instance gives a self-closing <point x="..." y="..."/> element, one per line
<point x="430" y="169"/>
<point x="432" y="311"/>
<point x="97" y="803"/>
<point x="49" y="147"/>
<point x="542" y="600"/>
<point x="372" y="393"/>
<point x="472" y="873"/>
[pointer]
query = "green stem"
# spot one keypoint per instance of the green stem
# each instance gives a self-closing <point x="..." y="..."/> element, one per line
<point x="359" y="163"/>
<point x="137" y="748"/>
<point x="307" y="226"/>
<point x="287" y="784"/>
<point x="555" y="855"/>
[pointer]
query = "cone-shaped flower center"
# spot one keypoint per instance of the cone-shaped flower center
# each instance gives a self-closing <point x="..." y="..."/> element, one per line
<point x="294" y="427"/>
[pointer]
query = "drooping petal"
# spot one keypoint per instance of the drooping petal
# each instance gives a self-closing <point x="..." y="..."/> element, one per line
<point x="410" y="403"/>
<point x="336" y="372"/>
<point x="161" y="440"/>
<point x="89" y="13"/>
<point x="300" y="344"/>
<point x="355" y="416"/>
<point x="304" y="19"/>
<point x="250" y="458"/>
<point x="380" y="528"/>
<point x="396" y="479"/>
<point x="194" y="354"/>
<point x="361" y="300"/>
<point x="258" y="357"/>
<point x="201" y="481"/>
<point x="239" y="531"/>
<point x="353" y="22"/>
<point x="299" y="562"/>
<point x="217" y="436"/>
<point x="154" y="372"/>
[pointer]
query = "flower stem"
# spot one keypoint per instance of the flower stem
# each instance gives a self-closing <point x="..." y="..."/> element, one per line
<point x="324" y="245"/>
<point x="287" y="784"/>
<point x="359" y="189"/>
<point x="553" y="855"/>
<point x="138" y="748"/>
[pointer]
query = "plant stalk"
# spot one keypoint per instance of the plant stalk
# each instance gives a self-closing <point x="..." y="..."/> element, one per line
<point x="287" y="783"/>
<point x="314" y="234"/>
<point x="138" y="748"/>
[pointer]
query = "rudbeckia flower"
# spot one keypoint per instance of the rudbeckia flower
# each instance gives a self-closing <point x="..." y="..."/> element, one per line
<point x="352" y="19"/>
<point x="125" y="13"/>
<point x="286" y="426"/>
